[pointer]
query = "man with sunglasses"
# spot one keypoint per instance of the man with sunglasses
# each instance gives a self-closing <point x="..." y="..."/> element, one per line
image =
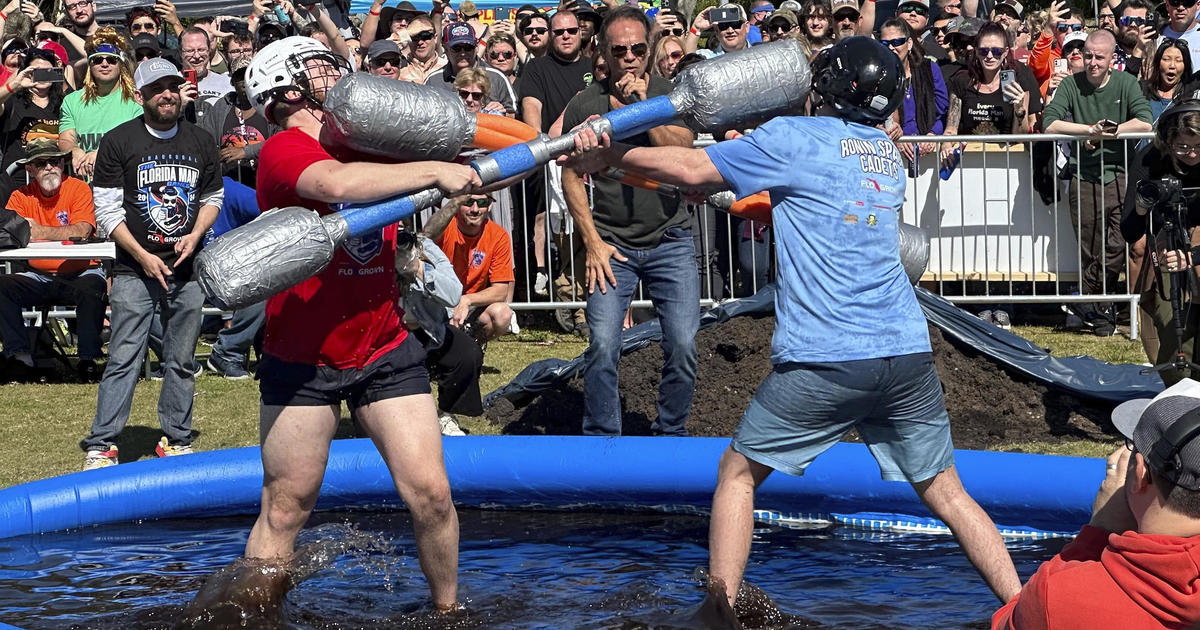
<point x="533" y="33"/>
<point x="850" y="20"/>
<point x="1136" y="35"/>
<point x="1097" y="192"/>
<point x="84" y="122"/>
<point x="782" y="24"/>
<point x="57" y="207"/>
<point x="730" y="35"/>
<point x="1007" y="13"/>
<point x="633" y="235"/>
<point x="158" y="190"/>
<point x="1134" y="565"/>
<point x="916" y="14"/>
<point x="384" y="59"/>
<point x="1060" y="21"/>
<point x="462" y="51"/>
<point x="423" y="60"/>
<point x="1181" y="24"/>
<point x="481" y="253"/>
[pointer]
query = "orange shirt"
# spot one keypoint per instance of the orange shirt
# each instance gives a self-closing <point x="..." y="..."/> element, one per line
<point x="72" y="204"/>
<point x="479" y="261"/>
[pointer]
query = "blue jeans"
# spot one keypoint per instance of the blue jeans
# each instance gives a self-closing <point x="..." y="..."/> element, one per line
<point x="133" y="300"/>
<point x="668" y="273"/>
<point x="233" y="343"/>
<point x="26" y="289"/>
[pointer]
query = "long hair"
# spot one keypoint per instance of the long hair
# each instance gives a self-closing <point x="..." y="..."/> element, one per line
<point x="975" y="64"/>
<point x="1150" y="85"/>
<point x="818" y="8"/>
<point x="55" y="92"/>
<point x="922" y="78"/>
<point x="108" y="35"/>
<point x="658" y="52"/>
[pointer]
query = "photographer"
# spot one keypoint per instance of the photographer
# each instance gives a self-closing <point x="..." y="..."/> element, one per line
<point x="1175" y="153"/>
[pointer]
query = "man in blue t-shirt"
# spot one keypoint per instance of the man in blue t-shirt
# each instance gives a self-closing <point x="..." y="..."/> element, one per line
<point x="851" y="346"/>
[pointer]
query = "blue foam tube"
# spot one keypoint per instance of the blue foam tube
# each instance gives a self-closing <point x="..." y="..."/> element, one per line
<point x="549" y="471"/>
<point x="364" y="218"/>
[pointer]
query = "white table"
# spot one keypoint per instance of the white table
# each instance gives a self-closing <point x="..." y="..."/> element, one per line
<point x="51" y="250"/>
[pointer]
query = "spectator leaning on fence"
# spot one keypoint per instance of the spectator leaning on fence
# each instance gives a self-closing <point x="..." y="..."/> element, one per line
<point x="1095" y="197"/>
<point x="57" y="208"/>
<point x="1135" y="564"/>
<point x="633" y="235"/>
<point x="979" y="103"/>
<point x="106" y="100"/>
<point x="1175" y="152"/>
<point x="923" y="111"/>
<point x="158" y="191"/>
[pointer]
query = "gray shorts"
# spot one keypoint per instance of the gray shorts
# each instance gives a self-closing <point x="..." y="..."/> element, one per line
<point x="895" y="403"/>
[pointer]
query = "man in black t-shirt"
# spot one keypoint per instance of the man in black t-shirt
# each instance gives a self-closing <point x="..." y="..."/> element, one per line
<point x="158" y="189"/>
<point x="633" y="235"/>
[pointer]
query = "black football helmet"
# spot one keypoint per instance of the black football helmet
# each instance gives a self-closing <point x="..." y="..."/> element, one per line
<point x="860" y="78"/>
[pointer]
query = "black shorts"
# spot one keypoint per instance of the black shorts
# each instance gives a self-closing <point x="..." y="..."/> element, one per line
<point x="400" y="372"/>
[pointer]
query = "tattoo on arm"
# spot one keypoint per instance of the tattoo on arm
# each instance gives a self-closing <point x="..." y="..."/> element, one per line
<point x="954" y="114"/>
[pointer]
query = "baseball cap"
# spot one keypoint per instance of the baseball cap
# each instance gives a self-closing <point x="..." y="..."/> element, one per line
<point x="786" y="15"/>
<point x="924" y="3"/>
<point x="734" y="5"/>
<point x="1166" y="431"/>
<point x="967" y="27"/>
<point x="1012" y="4"/>
<point x="153" y="69"/>
<point x="459" y="33"/>
<point x="841" y="5"/>
<point x="56" y="48"/>
<point x="145" y="40"/>
<point x="381" y="47"/>
<point x="790" y="5"/>
<point x="467" y="9"/>
<point x="1077" y="38"/>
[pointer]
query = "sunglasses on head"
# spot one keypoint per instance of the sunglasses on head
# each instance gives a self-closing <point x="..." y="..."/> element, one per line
<point x="914" y="8"/>
<point x="724" y="26"/>
<point x="102" y="59"/>
<point x="619" y="52"/>
<point x="501" y="54"/>
<point x="1063" y="28"/>
<point x="991" y="52"/>
<point x="1132" y="21"/>
<point x="559" y="32"/>
<point x="465" y="94"/>
<point x="423" y="36"/>
<point x="535" y="30"/>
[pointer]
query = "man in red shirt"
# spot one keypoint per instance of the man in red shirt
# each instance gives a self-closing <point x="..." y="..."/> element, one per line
<point x="1137" y="563"/>
<point x="338" y="335"/>
<point x="481" y="252"/>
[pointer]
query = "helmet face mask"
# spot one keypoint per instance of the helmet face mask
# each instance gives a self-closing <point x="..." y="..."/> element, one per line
<point x="292" y="70"/>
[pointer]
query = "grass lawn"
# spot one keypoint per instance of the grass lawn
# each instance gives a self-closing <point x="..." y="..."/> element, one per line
<point x="42" y="424"/>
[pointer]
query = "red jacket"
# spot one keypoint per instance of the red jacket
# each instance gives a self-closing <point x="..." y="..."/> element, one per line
<point x="1041" y="58"/>
<point x="1100" y="580"/>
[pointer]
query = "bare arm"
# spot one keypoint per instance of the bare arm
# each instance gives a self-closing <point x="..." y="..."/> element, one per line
<point x="1063" y="126"/>
<point x="331" y="181"/>
<point x="953" y="115"/>
<point x="371" y="24"/>
<point x="497" y="292"/>
<point x="682" y="166"/>
<point x="60" y="232"/>
<point x="337" y="43"/>
<point x="531" y="112"/>
<point x="438" y="221"/>
<point x="1133" y="125"/>
<point x="671" y="136"/>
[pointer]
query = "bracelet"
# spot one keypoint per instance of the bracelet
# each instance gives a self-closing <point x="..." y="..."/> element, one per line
<point x="253" y="19"/>
<point x="375" y="13"/>
<point x="694" y="31"/>
<point x="3" y="16"/>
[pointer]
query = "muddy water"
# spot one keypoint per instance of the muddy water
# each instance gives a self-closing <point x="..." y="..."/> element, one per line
<point x="517" y="570"/>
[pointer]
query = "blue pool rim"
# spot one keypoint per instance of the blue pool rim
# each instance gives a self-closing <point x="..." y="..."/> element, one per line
<point x="1026" y="495"/>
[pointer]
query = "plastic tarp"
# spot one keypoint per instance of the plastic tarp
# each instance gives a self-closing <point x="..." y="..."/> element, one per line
<point x="1084" y="377"/>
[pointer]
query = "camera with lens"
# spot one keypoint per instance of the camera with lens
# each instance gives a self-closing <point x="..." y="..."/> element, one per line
<point x="1153" y="193"/>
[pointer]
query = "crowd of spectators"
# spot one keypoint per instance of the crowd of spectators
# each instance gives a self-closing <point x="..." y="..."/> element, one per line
<point x="70" y="81"/>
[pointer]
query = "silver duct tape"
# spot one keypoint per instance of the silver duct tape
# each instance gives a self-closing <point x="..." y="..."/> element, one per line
<point x="914" y="251"/>
<point x="396" y="119"/>
<point x="744" y="88"/>
<point x="279" y="249"/>
<point x="722" y="200"/>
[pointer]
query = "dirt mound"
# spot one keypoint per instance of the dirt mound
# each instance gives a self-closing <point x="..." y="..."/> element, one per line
<point x="988" y="406"/>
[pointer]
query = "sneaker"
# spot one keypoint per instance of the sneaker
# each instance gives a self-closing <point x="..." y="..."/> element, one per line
<point x="88" y="371"/>
<point x="541" y="283"/>
<point x="1001" y="319"/>
<point x="164" y="448"/>
<point x="1104" y="328"/>
<point x="986" y="316"/>
<point x="449" y="424"/>
<point x="100" y="458"/>
<point x="565" y="319"/>
<point x="230" y="370"/>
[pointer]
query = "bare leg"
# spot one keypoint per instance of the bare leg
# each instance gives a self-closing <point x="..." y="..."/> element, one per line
<point x="406" y="432"/>
<point x="732" y="523"/>
<point x="295" y="449"/>
<point x="945" y="496"/>
<point x="496" y="319"/>
<point x="539" y="239"/>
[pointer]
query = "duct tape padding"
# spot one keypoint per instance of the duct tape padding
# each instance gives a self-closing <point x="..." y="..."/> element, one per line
<point x="745" y="88"/>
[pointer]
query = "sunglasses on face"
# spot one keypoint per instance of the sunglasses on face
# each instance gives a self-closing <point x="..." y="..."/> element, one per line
<point x="1132" y="21"/>
<point x="1180" y="149"/>
<point x="1063" y="28"/>
<point x="914" y="8"/>
<point x="781" y="28"/>
<point x="848" y="16"/>
<point x="894" y="43"/>
<point x="991" y="52"/>
<point x="383" y="61"/>
<point x="1187" y="4"/>
<point x="478" y="202"/>
<point x="676" y="56"/>
<point x="423" y="36"/>
<point x="501" y="54"/>
<point x="724" y="26"/>
<point x="144" y="54"/>
<point x="619" y="52"/>
<point x="141" y="26"/>
<point x="104" y="59"/>
<point x="535" y="30"/>
<point x="462" y="49"/>
<point x="42" y="163"/>
<point x="677" y="32"/>
<point x="940" y="30"/>
<point x="465" y="94"/>
<point x="559" y="32"/>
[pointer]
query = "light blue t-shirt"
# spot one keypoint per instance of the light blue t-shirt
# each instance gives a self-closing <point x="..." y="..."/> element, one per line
<point x="836" y="192"/>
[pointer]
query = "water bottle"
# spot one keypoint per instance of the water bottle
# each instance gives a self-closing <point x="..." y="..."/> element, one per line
<point x="948" y="169"/>
<point x="281" y="15"/>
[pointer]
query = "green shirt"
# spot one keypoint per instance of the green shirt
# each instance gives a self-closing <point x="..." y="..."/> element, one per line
<point x="93" y="120"/>
<point x="1119" y="100"/>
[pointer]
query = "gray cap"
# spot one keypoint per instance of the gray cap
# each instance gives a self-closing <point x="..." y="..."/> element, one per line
<point x="790" y="5"/>
<point x="154" y="69"/>
<point x="382" y="47"/>
<point x="1166" y="431"/>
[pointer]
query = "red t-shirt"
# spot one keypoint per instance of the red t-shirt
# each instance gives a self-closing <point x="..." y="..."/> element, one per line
<point x="479" y="261"/>
<point x="348" y="315"/>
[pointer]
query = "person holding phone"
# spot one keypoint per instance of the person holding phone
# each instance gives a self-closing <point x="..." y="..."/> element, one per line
<point x="28" y="107"/>
<point x="729" y="24"/>
<point x="981" y="102"/>
<point x="1101" y="104"/>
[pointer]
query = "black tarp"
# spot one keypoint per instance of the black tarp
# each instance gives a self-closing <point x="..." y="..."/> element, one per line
<point x="1084" y="377"/>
